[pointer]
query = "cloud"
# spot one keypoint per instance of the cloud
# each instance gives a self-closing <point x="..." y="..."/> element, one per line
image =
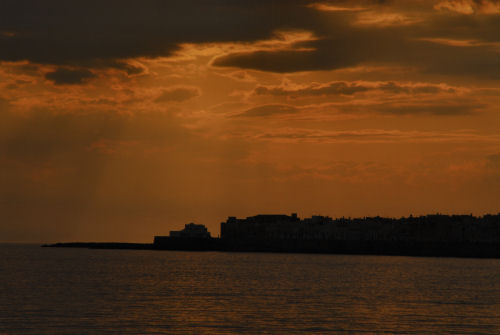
<point x="443" y="109"/>
<point x="242" y="76"/>
<point x="343" y="49"/>
<point x="469" y="7"/>
<point x="418" y="88"/>
<point x="383" y="19"/>
<point x="63" y="76"/>
<point x="178" y="94"/>
<point x="281" y="61"/>
<point x="325" y="7"/>
<point x="373" y="136"/>
<point x="332" y="88"/>
<point x="350" y="88"/>
<point x="495" y="46"/>
<point x="91" y="33"/>
<point x="459" y="6"/>
<point x="439" y="107"/>
<point x="346" y="44"/>
<point x="268" y="110"/>
<point x="351" y="48"/>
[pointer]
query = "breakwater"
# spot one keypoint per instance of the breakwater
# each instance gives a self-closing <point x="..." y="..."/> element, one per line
<point x="424" y="249"/>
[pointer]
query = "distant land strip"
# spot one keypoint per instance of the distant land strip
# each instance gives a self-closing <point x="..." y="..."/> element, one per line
<point x="469" y="250"/>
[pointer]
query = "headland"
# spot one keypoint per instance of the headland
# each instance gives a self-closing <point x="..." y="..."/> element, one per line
<point x="430" y="235"/>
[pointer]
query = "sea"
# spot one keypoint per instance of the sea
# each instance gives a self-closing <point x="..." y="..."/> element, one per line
<point x="83" y="291"/>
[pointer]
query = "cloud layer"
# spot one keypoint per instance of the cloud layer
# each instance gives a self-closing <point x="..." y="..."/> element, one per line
<point x="120" y="120"/>
<point x="88" y="34"/>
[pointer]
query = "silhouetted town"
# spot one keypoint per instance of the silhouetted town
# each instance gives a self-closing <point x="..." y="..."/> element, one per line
<point x="430" y="235"/>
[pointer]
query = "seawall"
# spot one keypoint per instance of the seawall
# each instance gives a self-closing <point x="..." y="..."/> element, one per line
<point x="400" y="248"/>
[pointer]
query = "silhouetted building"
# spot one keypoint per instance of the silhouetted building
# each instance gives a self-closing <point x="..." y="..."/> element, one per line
<point x="191" y="230"/>
<point x="431" y="235"/>
<point x="275" y="226"/>
<point x="192" y="237"/>
<point x="430" y="228"/>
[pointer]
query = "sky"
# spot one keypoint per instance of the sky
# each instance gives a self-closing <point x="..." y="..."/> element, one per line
<point x="120" y="120"/>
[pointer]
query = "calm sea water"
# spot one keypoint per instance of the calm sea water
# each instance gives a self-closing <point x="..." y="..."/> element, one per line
<point x="80" y="291"/>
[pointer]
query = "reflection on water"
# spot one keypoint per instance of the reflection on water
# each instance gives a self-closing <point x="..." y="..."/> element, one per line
<point x="79" y="291"/>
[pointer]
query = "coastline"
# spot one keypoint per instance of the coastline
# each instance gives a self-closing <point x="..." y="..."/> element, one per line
<point x="420" y="249"/>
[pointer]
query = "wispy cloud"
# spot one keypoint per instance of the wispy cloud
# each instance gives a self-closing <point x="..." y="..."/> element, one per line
<point x="375" y="136"/>
<point x="178" y="94"/>
<point x="350" y="88"/>
<point x="268" y="110"/>
<point x="65" y="76"/>
<point x="470" y="6"/>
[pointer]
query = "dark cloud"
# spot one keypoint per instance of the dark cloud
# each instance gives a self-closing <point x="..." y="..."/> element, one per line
<point x="324" y="54"/>
<point x="93" y="33"/>
<point x="343" y="44"/>
<point x="63" y="76"/>
<point x="178" y="94"/>
<point x="476" y="61"/>
<point x="380" y="46"/>
<point x="350" y="88"/>
<point x="268" y="110"/>
<point x="333" y="88"/>
<point x="281" y="61"/>
<point x="27" y="69"/>
<point x="469" y="7"/>
<point x="397" y="88"/>
<point x="128" y="68"/>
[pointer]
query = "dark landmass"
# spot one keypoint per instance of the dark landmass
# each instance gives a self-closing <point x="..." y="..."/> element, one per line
<point x="475" y="250"/>
<point x="432" y="235"/>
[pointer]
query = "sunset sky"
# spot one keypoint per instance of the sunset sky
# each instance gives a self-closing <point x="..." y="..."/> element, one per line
<point x="124" y="119"/>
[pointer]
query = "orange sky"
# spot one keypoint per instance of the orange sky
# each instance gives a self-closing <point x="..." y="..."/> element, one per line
<point x="122" y="120"/>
